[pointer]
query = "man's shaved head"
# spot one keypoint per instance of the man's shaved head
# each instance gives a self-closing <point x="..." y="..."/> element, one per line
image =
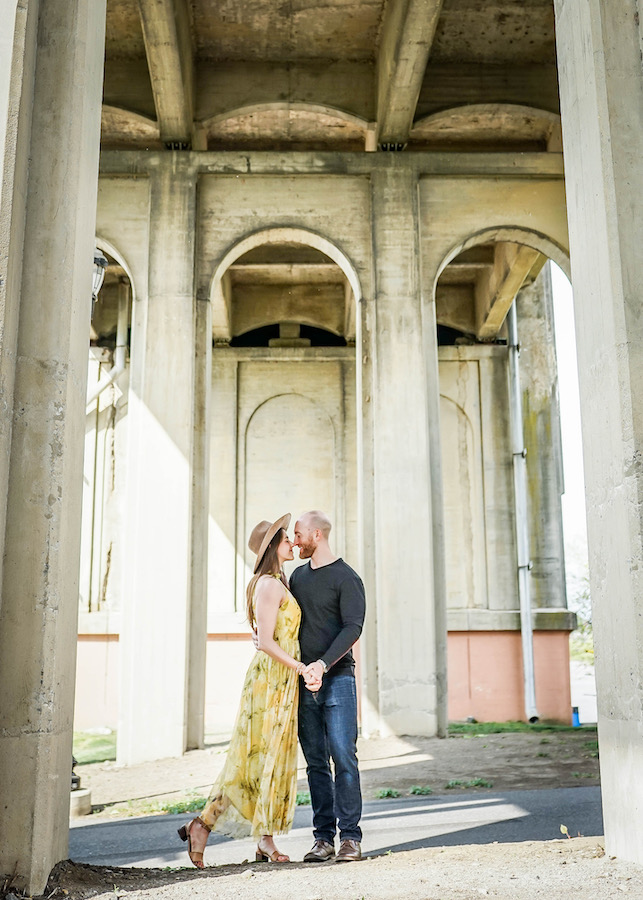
<point x="315" y="519"/>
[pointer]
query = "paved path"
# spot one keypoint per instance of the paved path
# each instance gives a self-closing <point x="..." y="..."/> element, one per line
<point x="401" y="824"/>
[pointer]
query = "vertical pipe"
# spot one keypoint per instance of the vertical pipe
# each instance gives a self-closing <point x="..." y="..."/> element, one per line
<point x="519" y="455"/>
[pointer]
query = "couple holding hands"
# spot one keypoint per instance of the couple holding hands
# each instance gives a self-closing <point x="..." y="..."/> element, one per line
<point x="305" y="628"/>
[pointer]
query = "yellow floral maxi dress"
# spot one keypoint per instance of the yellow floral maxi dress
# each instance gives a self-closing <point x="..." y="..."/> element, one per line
<point x="256" y="791"/>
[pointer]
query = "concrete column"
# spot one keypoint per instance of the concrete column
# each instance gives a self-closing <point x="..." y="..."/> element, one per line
<point x="17" y="62"/>
<point x="364" y="350"/>
<point x="541" y="428"/>
<point x="406" y="614"/>
<point x="198" y="623"/>
<point x="156" y="609"/>
<point x="601" y="85"/>
<point x="56" y="92"/>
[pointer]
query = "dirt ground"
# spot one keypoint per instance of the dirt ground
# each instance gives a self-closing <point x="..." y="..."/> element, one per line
<point x="562" y="869"/>
<point x="509" y="761"/>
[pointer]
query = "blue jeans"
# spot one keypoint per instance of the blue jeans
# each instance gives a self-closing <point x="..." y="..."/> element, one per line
<point x="328" y="729"/>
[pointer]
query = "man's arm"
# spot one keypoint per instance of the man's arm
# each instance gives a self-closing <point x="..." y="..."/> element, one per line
<point x="352" y="609"/>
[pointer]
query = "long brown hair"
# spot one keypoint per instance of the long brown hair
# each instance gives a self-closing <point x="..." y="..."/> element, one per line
<point x="269" y="565"/>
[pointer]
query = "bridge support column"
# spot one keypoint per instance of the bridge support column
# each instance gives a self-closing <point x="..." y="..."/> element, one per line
<point x="601" y="86"/>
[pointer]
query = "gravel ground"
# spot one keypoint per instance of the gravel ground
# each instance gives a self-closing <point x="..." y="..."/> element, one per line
<point x="569" y="868"/>
<point x="563" y="868"/>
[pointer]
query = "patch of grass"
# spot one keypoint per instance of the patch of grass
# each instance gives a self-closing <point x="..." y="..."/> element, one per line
<point x="420" y="789"/>
<point x="303" y="798"/>
<point x="188" y="804"/>
<point x="583" y="775"/>
<point x="592" y="747"/>
<point x="476" y="728"/>
<point x="473" y="782"/>
<point x="544" y="754"/>
<point x="194" y="804"/>
<point x="385" y="793"/>
<point x="94" y="746"/>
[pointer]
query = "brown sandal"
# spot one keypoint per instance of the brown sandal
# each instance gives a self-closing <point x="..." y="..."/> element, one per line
<point x="196" y="856"/>
<point x="275" y="856"/>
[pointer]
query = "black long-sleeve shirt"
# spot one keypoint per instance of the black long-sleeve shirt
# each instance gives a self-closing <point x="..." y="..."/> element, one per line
<point x="333" y="606"/>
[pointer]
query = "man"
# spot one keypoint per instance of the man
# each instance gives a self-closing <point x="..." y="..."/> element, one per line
<point x="332" y="601"/>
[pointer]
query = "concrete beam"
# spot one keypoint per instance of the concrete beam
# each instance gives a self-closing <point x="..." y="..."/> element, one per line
<point x="496" y="288"/>
<point x="455" y="305"/>
<point x="455" y="84"/>
<point x="320" y="305"/>
<point x="407" y="35"/>
<point x="492" y="165"/>
<point x="166" y="31"/>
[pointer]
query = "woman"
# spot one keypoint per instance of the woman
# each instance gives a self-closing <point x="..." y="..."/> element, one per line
<point x="256" y="791"/>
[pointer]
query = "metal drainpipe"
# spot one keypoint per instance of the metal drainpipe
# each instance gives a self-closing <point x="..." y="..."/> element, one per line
<point x="519" y="452"/>
<point x="121" y="345"/>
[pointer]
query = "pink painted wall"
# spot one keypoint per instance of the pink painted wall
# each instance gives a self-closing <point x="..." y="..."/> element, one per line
<point x="484" y="671"/>
<point x="97" y="682"/>
<point x="485" y="675"/>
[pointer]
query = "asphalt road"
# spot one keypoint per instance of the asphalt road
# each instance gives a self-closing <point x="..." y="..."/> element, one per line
<point x="388" y="825"/>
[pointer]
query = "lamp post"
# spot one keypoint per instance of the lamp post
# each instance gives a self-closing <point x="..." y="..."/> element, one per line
<point x="100" y="267"/>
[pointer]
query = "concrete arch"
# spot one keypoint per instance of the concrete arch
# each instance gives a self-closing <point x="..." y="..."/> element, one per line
<point x="517" y="118"/>
<point x="266" y="484"/>
<point x="285" y="394"/>
<point x="277" y="235"/>
<point x="107" y="247"/>
<point x="117" y="120"/>
<point x="514" y="234"/>
<point x="316" y="109"/>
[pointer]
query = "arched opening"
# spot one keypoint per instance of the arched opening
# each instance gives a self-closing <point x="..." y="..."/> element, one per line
<point x="480" y="285"/>
<point x="284" y="414"/>
<point x="103" y="545"/>
<point x="288" y="294"/>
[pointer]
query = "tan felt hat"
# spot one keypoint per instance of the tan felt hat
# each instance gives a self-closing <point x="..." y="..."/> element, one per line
<point x="263" y="533"/>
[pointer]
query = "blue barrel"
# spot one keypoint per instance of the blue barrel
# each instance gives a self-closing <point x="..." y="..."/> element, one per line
<point x="575" y="719"/>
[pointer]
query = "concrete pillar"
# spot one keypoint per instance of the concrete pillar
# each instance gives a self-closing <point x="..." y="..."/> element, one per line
<point x="406" y="614"/>
<point x="365" y="390"/>
<point x="156" y="608"/>
<point x="17" y="60"/>
<point x="48" y="248"/>
<point x="541" y="428"/>
<point x="601" y="86"/>
<point x="198" y="622"/>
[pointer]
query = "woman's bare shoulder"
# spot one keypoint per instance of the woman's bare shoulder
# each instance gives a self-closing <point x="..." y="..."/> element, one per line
<point x="269" y="588"/>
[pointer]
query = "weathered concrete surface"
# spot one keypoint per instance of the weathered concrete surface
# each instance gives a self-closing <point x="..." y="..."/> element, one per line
<point x="60" y="126"/>
<point x="541" y="426"/>
<point x="408" y="644"/>
<point x="155" y="621"/>
<point x="602" y="97"/>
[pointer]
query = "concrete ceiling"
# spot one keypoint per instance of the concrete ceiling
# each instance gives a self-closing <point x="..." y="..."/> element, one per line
<point x="335" y="75"/>
<point x="315" y="74"/>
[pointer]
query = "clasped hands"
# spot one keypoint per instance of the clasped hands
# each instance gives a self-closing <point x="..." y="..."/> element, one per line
<point x="312" y="675"/>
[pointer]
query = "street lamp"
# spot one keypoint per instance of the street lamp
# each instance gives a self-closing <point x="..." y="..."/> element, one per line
<point x="100" y="266"/>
